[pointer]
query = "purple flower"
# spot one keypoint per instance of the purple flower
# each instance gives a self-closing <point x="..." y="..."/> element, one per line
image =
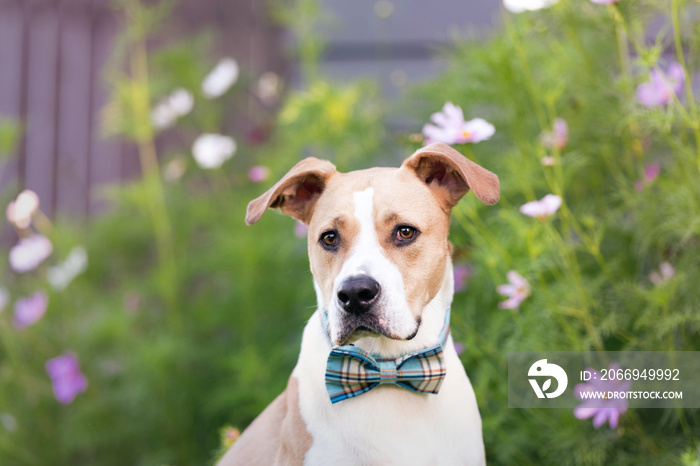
<point x="459" y="348"/>
<point x="608" y="407"/>
<point x="29" y="310"/>
<point x="300" y="229"/>
<point x="66" y="377"/>
<point x="29" y="252"/>
<point x="462" y="273"/>
<point x="451" y="128"/>
<point x="605" y="2"/>
<point x="558" y="137"/>
<point x="517" y="289"/>
<point x="543" y="208"/>
<point x="660" y="88"/>
<point x="229" y="435"/>
<point x="651" y="172"/>
<point x="258" y="173"/>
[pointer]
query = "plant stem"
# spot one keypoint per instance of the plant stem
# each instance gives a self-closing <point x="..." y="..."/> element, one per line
<point x="152" y="183"/>
<point x="688" y="85"/>
<point x="621" y="35"/>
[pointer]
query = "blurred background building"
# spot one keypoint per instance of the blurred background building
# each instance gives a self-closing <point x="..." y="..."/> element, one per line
<point x="53" y="55"/>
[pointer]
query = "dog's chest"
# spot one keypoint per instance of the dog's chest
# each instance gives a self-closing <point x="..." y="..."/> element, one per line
<point x="390" y="425"/>
<point x="393" y="428"/>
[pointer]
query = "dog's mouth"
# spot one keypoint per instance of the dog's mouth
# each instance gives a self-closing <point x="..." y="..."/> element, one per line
<point x="369" y="326"/>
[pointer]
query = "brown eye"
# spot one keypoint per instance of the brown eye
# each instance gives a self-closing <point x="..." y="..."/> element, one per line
<point x="330" y="240"/>
<point x="405" y="235"/>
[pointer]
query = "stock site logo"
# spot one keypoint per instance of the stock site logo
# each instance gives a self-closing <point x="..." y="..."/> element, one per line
<point x="543" y="369"/>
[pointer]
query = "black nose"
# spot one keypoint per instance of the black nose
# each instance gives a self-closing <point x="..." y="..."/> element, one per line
<point x="357" y="294"/>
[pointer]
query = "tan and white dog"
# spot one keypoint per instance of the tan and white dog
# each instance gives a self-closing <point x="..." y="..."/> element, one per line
<point x="382" y="269"/>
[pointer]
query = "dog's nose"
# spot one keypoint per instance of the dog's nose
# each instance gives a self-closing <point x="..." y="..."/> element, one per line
<point x="357" y="294"/>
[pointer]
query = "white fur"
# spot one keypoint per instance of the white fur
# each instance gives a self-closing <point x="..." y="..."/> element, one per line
<point x="388" y="425"/>
<point x="367" y="258"/>
<point x="391" y="425"/>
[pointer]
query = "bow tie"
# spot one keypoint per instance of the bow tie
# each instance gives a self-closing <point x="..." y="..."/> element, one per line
<point x="351" y="371"/>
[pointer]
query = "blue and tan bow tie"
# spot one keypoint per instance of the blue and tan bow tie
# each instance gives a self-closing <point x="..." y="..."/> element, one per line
<point x="351" y="371"/>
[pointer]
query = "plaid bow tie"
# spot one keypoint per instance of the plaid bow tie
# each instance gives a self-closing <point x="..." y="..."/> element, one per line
<point x="351" y="371"/>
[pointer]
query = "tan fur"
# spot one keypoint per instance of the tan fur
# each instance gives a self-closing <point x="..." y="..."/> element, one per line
<point x="294" y="194"/>
<point x="277" y="437"/>
<point x="453" y="175"/>
<point x="420" y="266"/>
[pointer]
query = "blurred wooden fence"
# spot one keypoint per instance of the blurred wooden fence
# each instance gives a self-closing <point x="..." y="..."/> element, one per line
<point x="52" y="53"/>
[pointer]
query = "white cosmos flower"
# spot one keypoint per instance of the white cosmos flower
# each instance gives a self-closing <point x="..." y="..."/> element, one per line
<point x="178" y="104"/>
<point x="519" y="6"/>
<point x="162" y="116"/>
<point x="665" y="273"/>
<point x="20" y="211"/>
<point x="268" y="88"/>
<point x="221" y="78"/>
<point x="543" y="208"/>
<point x="174" y="169"/>
<point x="181" y="101"/>
<point x="212" y="150"/>
<point x="29" y="252"/>
<point x="61" y="275"/>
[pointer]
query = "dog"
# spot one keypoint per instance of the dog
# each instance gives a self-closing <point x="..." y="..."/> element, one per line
<point x="382" y="271"/>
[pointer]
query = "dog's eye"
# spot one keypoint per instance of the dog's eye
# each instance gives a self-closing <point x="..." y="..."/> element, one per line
<point x="404" y="235"/>
<point x="330" y="240"/>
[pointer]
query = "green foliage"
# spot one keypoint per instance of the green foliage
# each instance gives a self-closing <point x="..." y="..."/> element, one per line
<point x="9" y="134"/>
<point x="589" y="264"/>
<point x="186" y="320"/>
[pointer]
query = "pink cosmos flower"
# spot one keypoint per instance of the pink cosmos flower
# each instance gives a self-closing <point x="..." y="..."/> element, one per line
<point x="462" y="273"/>
<point x="548" y="161"/>
<point x="66" y="377"/>
<point x="29" y="310"/>
<point x="558" y="137"/>
<point x="601" y="410"/>
<point x="543" y="208"/>
<point x="258" y="173"/>
<point x="661" y="88"/>
<point x="665" y="273"/>
<point x="21" y="210"/>
<point x="29" y="252"/>
<point x="451" y="128"/>
<point x="517" y="290"/>
<point x="651" y="172"/>
<point x="300" y="229"/>
<point x="605" y="2"/>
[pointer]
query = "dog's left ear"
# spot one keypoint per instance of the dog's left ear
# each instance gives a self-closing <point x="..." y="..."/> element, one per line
<point x="451" y="175"/>
<point x="296" y="193"/>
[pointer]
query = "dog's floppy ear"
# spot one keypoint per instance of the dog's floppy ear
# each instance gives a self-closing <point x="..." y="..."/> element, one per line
<point x="451" y="175"/>
<point x="295" y="193"/>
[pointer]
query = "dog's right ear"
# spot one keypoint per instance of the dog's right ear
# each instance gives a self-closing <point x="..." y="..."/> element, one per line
<point x="296" y="193"/>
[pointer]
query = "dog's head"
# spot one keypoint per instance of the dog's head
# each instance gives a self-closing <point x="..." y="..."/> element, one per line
<point x="377" y="238"/>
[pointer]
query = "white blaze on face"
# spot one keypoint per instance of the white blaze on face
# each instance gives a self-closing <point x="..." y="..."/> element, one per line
<point x="367" y="258"/>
